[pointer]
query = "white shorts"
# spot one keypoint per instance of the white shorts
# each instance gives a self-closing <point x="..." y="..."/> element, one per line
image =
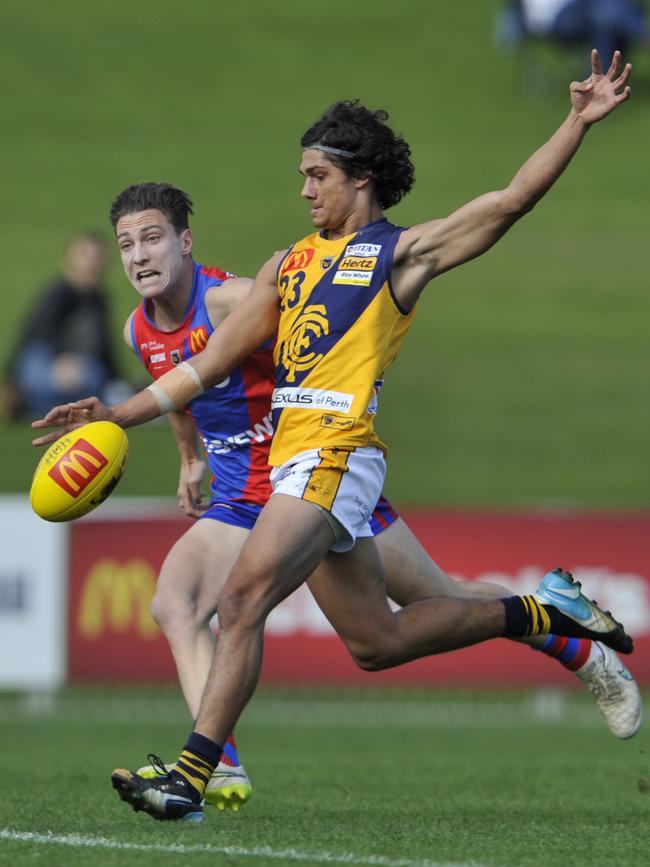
<point x="345" y="483"/>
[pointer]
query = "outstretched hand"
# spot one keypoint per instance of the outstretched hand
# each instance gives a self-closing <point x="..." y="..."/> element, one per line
<point x="595" y="97"/>
<point x="69" y="416"/>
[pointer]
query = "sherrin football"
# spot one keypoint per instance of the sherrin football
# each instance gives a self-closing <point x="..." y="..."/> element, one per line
<point x="79" y="471"/>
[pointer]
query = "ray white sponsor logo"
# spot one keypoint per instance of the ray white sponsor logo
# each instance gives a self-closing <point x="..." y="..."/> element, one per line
<point x="157" y="357"/>
<point x="363" y="250"/>
<point x="358" y="278"/>
<point x="259" y="433"/>
<point x="311" y="398"/>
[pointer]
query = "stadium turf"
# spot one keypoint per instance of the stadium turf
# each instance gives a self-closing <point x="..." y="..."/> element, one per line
<point x="380" y="778"/>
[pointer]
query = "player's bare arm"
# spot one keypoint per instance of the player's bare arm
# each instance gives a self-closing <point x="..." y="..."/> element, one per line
<point x="427" y="250"/>
<point x="247" y="327"/>
<point x="222" y="300"/>
<point x="192" y="467"/>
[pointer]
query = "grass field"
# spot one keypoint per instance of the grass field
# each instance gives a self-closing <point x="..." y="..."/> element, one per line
<point x="524" y="379"/>
<point x="379" y="778"/>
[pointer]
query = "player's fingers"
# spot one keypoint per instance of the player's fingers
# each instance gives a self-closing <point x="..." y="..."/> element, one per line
<point x="621" y="97"/>
<point x="596" y="66"/>
<point x="57" y="415"/>
<point x="623" y="77"/>
<point x="47" y="438"/>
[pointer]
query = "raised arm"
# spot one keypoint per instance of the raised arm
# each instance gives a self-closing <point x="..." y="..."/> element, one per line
<point x="244" y="330"/>
<point x="427" y="250"/>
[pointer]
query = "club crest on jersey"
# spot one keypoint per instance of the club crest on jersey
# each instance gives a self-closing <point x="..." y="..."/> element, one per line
<point x="296" y="353"/>
<point x="198" y="339"/>
<point x="297" y="260"/>
<point x="326" y="262"/>
<point x="175" y="356"/>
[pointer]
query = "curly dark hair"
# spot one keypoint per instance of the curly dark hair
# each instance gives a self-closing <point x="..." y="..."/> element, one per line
<point x="174" y="203"/>
<point x="350" y="126"/>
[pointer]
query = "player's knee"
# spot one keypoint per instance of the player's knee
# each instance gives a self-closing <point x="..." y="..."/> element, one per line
<point x="241" y="605"/>
<point x="177" y="612"/>
<point x="372" y="657"/>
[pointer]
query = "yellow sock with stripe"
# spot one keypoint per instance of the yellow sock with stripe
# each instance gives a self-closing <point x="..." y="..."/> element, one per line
<point x="196" y="763"/>
<point x="526" y="616"/>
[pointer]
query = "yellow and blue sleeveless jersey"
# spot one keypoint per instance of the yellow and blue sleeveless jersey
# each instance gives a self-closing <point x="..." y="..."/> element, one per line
<point x="340" y="329"/>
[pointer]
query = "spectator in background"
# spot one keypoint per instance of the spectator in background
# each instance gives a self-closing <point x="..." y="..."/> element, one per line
<point x="64" y="349"/>
<point x="606" y="25"/>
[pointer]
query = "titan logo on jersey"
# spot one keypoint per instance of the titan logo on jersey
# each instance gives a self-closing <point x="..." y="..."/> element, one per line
<point x="76" y="469"/>
<point x="296" y="353"/>
<point x="363" y="250"/>
<point x="198" y="339"/>
<point x="297" y="260"/>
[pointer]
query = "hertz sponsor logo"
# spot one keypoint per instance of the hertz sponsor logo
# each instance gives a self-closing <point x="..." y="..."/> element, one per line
<point x="311" y="398"/>
<point x="356" y="263"/>
<point x="116" y="598"/>
<point x="76" y="469"/>
<point x="297" y="260"/>
<point x="198" y="340"/>
<point x="356" y="278"/>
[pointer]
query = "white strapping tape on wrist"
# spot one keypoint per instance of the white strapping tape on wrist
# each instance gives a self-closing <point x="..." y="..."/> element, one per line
<point x="162" y="399"/>
<point x="176" y="388"/>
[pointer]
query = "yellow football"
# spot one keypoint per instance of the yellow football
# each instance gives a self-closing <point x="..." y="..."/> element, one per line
<point x="79" y="471"/>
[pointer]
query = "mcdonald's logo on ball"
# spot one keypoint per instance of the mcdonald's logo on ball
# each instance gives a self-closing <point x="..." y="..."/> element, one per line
<point x="79" y="471"/>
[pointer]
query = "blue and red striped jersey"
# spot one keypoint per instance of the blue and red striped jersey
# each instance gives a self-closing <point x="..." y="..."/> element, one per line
<point x="234" y="416"/>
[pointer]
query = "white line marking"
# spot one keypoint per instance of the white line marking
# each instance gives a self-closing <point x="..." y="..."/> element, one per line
<point x="182" y="849"/>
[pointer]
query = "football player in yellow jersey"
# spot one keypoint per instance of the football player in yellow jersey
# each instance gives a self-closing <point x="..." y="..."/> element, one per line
<point x="332" y="473"/>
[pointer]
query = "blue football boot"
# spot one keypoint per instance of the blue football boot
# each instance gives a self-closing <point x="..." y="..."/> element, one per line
<point x="585" y="618"/>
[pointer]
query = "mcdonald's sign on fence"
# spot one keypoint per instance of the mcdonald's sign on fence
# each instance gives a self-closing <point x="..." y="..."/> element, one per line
<point x="114" y="566"/>
<point x="113" y="571"/>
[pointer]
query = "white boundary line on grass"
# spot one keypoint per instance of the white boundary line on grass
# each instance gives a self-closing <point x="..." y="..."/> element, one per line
<point x="208" y="849"/>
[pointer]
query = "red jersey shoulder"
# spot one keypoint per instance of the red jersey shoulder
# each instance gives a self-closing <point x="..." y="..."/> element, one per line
<point x="217" y="273"/>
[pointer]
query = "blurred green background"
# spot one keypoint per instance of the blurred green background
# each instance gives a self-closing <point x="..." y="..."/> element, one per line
<point x="525" y="378"/>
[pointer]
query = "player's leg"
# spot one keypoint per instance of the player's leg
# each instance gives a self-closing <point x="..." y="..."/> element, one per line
<point x="411" y="575"/>
<point x="187" y="593"/>
<point x="290" y="537"/>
